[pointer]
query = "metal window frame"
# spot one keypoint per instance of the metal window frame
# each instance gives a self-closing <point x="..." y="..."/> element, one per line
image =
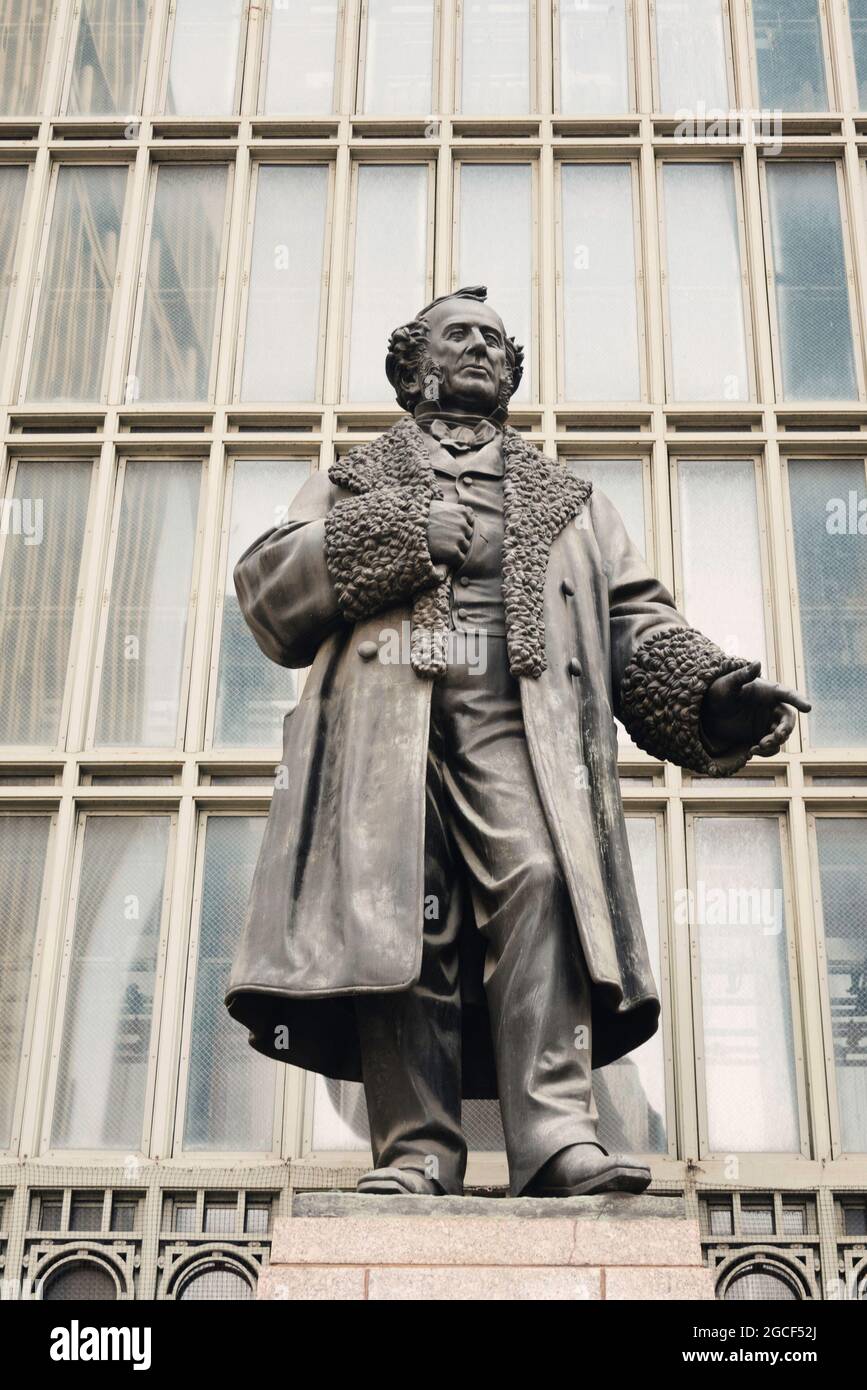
<point x="678" y="540"/>
<point x="833" y="87"/>
<point x="47" y="221"/>
<point x="361" y="68"/>
<point x="147" y="56"/>
<point x="557" y="8"/>
<point x="129" y="751"/>
<point x="180" y="1151"/>
<point x="747" y="312"/>
<point x="639" y="245"/>
<point x="167" y="50"/>
<point x="728" y="55"/>
<point x="794" y="992"/>
<point x="299" y="161"/>
<point x="342" y="21"/>
<point x="61" y="993"/>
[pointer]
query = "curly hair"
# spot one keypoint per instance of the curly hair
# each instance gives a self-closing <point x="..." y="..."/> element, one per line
<point x="408" y="360"/>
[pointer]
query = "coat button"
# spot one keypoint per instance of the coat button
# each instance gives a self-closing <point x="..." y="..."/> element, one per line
<point x="367" y="650"/>
<point x="462" y="613"/>
<point x="568" y="588"/>
<point x="574" y="667"/>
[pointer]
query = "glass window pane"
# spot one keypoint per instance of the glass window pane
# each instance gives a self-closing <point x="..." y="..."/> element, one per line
<point x="829" y="506"/>
<point x="398" y="58"/>
<point x="183" y="280"/>
<point x="789" y="61"/>
<point x="302" y="44"/>
<point x="630" y="1094"/>
<point x="72" y="323"/>
<point x="24" y="26"/>
<point x="108" y="58"/>
<point x="703" y="281"/>
<point x="495" y="58"/>
<point x="858" y="21"/>
<point x="23" y="847"/>
<point x="13" y="182"/>
<point x="810" y="283"/>
<point x="230" y="1097"/>
<point x="501" y="195"/>
<point x="691" y="43"/>
<point x="842" y="846"/>
<point x="600" y="301"/>
<point x="390" y="275"/>
<point x="721" y="566"/>
<point x="146" y="634"/>
<point x="281" y="347"/>
<point x="39" y="595"/>
<point x="622" y="480"/>
<point x="204" y="62"/>
<point x="737" y="908"/>
<point x="253" y="693"/>
<point x="594" y="55"/>
<point x="105" y="1045"/>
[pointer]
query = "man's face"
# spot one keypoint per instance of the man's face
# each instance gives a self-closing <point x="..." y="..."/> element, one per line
<point x="468" y="343"/>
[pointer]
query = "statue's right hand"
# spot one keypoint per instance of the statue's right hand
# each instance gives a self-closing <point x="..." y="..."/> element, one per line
<point x="449" y="533"/>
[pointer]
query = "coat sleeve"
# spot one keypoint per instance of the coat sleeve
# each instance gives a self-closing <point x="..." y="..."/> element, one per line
<point x="661" y="668"/>
<point x="336" y="559"/>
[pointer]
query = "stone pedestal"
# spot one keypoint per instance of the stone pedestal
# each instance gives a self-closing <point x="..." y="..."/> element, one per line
<point x="342" y="1246"/>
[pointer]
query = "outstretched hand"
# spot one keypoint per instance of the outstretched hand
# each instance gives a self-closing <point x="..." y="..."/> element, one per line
<point x="740" y="708"/>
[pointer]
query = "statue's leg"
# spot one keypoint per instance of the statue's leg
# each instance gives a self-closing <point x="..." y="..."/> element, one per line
<point x="536" y="981"/>
<point x="411" y="1041"/>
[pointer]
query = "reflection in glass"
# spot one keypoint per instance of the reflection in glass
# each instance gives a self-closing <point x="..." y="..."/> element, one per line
<point x="858" y="21"/>
<point x="75" y="309"/>
<point x="600" y="302"/>
<point x="281" y="346"/>
<point x="500" y="195"/>
<point x="721" y="566"/>
<point x="204" y="62"/>
<point x="146" y="634"/>
<point x="737" y="911"/>
<point x="23" y="846"/>
<point x="230" y="1097"/>
<point x="24" y="26"/>
<point x="789" y="60"/>
<point x="831" y="566"/>
<point x="105" y="1046"/>
<point x="390" y="276"/>
<point x="13" y="182"/>
<point x="253" y="693"/>
<point x="107" y="63"/>
<point x="39" y="596"/>
<point x="810" y="282"/>
<point x="703" y="280"/>
<point x="181" y="290"/>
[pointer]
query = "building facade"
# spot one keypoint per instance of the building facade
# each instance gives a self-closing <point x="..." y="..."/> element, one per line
<point x="211" y="214"/>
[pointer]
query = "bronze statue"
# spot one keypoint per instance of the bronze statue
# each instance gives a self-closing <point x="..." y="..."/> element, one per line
<point x="444" y="902"/>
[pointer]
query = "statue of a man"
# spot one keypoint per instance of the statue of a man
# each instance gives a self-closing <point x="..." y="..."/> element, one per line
<point x="444" y="902"/>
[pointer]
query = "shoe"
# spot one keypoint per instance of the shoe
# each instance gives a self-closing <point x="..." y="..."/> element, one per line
<point x="583" y="1170"/>
<point x="389" y="1182"/>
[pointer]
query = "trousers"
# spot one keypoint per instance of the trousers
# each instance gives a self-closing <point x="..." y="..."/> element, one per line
<point x="485" y="830"/>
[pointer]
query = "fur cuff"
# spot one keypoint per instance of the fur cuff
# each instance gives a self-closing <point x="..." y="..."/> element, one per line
<point x="376" y="549"/>
<point x="661" y="697"/>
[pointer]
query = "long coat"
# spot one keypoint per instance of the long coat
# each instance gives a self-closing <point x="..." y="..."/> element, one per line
<point x="336" y="907"/>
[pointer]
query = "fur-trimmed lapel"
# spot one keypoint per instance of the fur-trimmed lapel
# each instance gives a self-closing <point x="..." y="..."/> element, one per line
<point x="540" y="497"/>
